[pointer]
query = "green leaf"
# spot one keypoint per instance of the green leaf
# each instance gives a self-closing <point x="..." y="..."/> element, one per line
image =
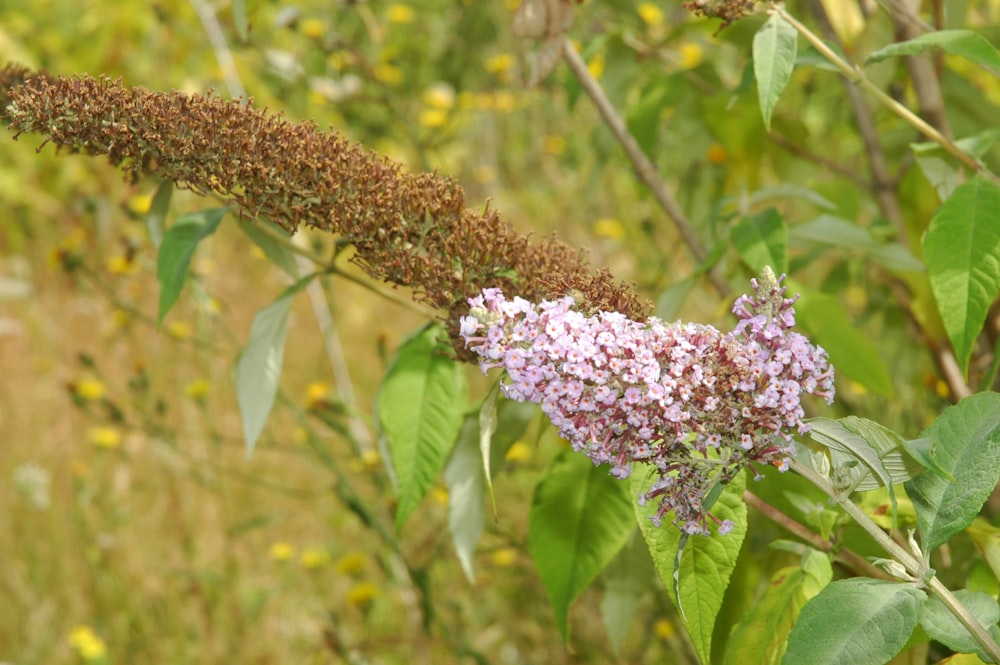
<point x="843" y="234"/>
<point x="488" y="425"/>
<point x="420" y="406"/>
<point x="941" y="624"/>
<point x="966" y="444"/>
<point x="763" y="635"/>
<point x="963" y="43"/>
<point x="962" y="252"/>
<point x="986" y="538"/>
<point x="785" y="191"/>
<point x="855" y="622"/>
<point x="463" y="475"/>
<point x="240" y="20"/>
<point x="275" y="249"/>
<point x="626" y="580"/>
<point x="176" y="250"/>
<point x="580" y="518"/>
<point x="762" y="240"/>
<point x="852" y="353"/>
<point x="706" y="564"/>
<point x="259" y="366"/>
<point x="774" y="48"/>
<point x="645" y="117"/>
<point x="156" y="218"/>
<point x="513" y="418"/>
<point x="881" y="453"/>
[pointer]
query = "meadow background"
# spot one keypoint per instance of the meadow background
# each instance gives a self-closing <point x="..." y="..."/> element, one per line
<point x="133" y="527"/>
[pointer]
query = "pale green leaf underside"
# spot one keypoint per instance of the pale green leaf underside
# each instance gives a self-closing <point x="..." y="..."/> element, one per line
<point x="774" y="49"/>
<point x="963" y="43"/>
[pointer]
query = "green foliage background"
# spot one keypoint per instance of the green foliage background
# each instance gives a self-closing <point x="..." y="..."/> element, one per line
<point x="158" y="534"/>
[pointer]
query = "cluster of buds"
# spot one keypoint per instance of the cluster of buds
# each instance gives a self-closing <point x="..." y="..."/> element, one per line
<point x="696" y="404"/>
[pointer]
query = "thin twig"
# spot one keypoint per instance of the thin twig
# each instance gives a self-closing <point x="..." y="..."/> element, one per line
<point x="644" y="168"/>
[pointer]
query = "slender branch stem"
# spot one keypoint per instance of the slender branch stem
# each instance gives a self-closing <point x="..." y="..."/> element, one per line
<point x="856" y="76"/>
<point x="645" y="168"/>
<point x="913" y="564"/>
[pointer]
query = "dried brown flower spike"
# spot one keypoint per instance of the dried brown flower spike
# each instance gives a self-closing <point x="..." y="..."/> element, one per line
<point x="410" y="230"/>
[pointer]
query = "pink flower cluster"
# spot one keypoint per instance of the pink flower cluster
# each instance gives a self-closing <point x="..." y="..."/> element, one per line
<point x="693" y="402"/>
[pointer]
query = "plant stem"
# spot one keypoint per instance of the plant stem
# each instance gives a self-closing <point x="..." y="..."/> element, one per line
<point x="644" y="168"/>
<point x="914" y="566"/>
<point x="854" y="74"/>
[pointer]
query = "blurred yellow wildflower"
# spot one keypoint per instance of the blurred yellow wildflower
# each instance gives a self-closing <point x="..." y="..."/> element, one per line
<point x="140" y="204"/>
<point x="433" y="118"/>
<point x="650" y="14"/>
<point x="87" y="644"/>
<point x="371" y="460"/>
<point x="501" y="63"/>
<point x="400" y="13"/>
<point x="282" y="551"/>
<point x="313" y="28"/>
<point x="439" y="96"/>
<point x="361" y="595"/>
<point x="197" y="389"/>
<point x="314" y="557"/>
<point x="504" y="101"/>
<point x="317" y="395"/>
<point x="504" y="557"/>
<point x="596" y="66"/>
<point x="691" y="55"/>
<point x="663" y="629"/>
<point x="554" y="144"/>
<point x="439" y="495"/>
<point x="104" y="437"/>
<point x="519" y="452"/>
<point x="608" y="228"/>
<point x="352" y="563"/>
<point x="120" y="265"/>
<point x="91" y="390"/>
<point x="387" y="73"/>
<point x="716" y="154"/>
<point x="180" y="330"/>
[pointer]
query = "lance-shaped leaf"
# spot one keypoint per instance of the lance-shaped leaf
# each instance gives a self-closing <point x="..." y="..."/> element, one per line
<point x="963" y="43"/>
<point x="856" y="621"/>
<point x="762" y="240"/>
<point x="580" y="518"/>
<point x="156" y="218"/>
<point x="699" y="583"/>
<point x="259" y="367"/>
<point x="176" y="249"/>
<point x="464" y="477"/>
<point x="626" y="580"/>
<point x="962" y="252"/>
<point x="774" y="48"/>
<point x="941" y="624"/>
<point x="420" y="410"/>
<point x="276" y="250"/>
<point x="966" y="443"/>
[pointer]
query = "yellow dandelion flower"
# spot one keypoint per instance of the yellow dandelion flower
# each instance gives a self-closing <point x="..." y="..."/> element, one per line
<point x="317" y="395"/>
<point x="313" y="28"/>
<point x="120" y="265"/>
<point x="180" y="330"/>
<point x="87" y="644"/>
<point x="691" y="55"/>
<point x="500" y="63"/>
<point x="400" y="13"/>
<point x="387" y="73"/>
<point x="608" y="228"/>
<point x="197" y="389"/>
<point x="650" y="14"/>
<point x="433" y="118"/>
<point x="104" y="437"/>
<point x="519" y="452"/>
<point x="352" y="563"/>
<point x="554" y="145"/>
<point x="439" y="495"/>
<point x="716" y="154"/>
<point x="504" y="557"/>
<point x="282" y="551"/>
<point x="91" y="390"/>
<point x="314" y="558"/>
<point x="663" y="629"/>
<point x="439" y="96"/>
<point x="362" y="595"/>
<point x="596" y="66"/>
<point x="140" y="204"/>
